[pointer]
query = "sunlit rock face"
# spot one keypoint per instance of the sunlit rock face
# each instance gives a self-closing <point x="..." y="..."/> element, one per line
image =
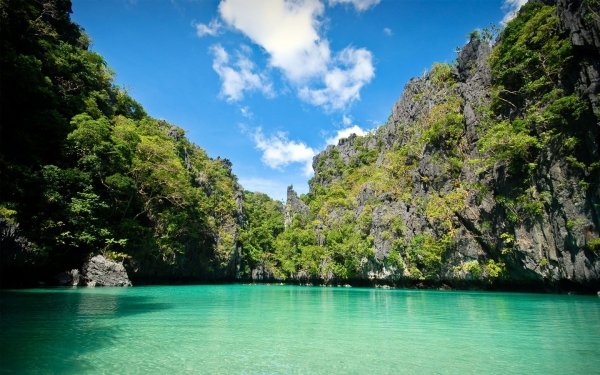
<point x="428" y="179"/>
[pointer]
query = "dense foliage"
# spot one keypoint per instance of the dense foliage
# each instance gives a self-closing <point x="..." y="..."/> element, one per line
<point x="85" y="170"/>
<point x="263" y="224"/>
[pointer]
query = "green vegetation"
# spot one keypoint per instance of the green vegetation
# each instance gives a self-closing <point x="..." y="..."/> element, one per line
<point x="104" y="177"/>
<point x="440" y="73"/>
<point x="530" y="111"/>
<point x="528" y="65"/>
<point x="495" y="269"/>
<point x="446" y="124"/>
<point x="85" y="170"/>
<point x="336" y="239"/>
<point x="264" y="223"/>
<point x="594" y="245"/>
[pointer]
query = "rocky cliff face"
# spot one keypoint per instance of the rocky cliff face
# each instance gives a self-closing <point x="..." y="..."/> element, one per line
<point x="470" y="179"/>
<point x="294" y="206"/>
<point x="581" y="21"/>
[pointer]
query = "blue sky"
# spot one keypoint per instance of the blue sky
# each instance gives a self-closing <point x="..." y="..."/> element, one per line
<point x="269" y="83"/>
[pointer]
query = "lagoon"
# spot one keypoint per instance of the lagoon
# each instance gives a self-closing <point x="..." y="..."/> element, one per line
<point x="272" y="329"/>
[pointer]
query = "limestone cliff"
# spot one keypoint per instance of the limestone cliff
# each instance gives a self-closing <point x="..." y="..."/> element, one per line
<point x="482" y="174"/>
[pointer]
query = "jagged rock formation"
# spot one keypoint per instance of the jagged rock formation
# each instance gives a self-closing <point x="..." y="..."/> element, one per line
<point x="294" y="206"/>
<point x="451" y="189"/>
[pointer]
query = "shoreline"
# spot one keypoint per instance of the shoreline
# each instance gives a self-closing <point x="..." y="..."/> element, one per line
<point x="536" y="288"/>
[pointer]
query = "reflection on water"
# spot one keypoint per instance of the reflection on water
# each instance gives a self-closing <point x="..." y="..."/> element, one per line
<point x="44" y="329"/>
<point x="245" y="329"/>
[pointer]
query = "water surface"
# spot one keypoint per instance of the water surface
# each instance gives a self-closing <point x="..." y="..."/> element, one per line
<point x="260" y="329"/>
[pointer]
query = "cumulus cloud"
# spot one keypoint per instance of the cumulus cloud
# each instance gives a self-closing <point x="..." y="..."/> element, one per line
<point x="289" y="32"/>
<point x="359" y="5"/>
<point x="213" y="28"/>
<point x="511" y="7"/>
<point x="238" y="76"/>
<point x="343" y="82"/>
<point x="278" y="151"/>
<point x="345" y="133"/>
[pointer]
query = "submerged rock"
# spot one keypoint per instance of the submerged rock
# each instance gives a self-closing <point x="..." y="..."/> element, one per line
<point x="99" y="271"/>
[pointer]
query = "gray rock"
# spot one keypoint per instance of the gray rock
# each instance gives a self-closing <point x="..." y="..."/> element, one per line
<point x="68" y="278"/>
<point x="99" y="271"/>
<point x="293" y="206"/>
<point x="585" y="37"/>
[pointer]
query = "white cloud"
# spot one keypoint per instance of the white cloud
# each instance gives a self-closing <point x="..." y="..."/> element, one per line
<point x="213" y="28"/>
<point x="345" y="133"/>
<point x="511" y="7"/>
<point x="343" y="82"/>
<point x="359" y="5"/>
<point x="387" y="31"/>
<point x="239" y="76"/>
<point x="289" y="31"/>
<point x="279" y="151"/>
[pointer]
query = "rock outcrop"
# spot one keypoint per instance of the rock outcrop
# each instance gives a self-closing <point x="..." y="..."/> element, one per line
<point x="294" y="206"/>
<point x="99" y="271"/>
<point x="261" y="273"/>
<point x="477" y="220"/>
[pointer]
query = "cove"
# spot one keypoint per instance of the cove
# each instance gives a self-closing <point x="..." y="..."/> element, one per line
<point x="262" y="329"/>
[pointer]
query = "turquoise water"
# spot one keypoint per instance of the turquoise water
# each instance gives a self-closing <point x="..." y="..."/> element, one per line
<point x="260" y="329"/>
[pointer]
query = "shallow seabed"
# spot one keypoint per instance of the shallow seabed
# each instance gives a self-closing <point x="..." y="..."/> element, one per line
<point x="261" y="329"/>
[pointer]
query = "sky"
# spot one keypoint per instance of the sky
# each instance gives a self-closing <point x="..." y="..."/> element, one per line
<point x="268" y="84"/>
